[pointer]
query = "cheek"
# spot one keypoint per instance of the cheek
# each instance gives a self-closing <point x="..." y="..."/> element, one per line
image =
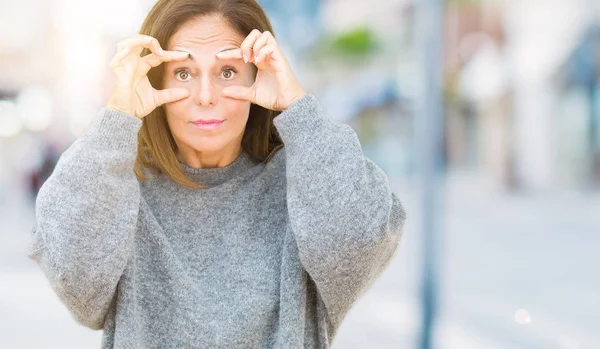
<point x="175" y="113"/>
<point x="172" y="110"/>
<point x="235" y="110"/>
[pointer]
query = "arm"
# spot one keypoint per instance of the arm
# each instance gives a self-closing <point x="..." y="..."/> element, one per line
<point x="86" y="215"/>
<point x="346" y="221"/>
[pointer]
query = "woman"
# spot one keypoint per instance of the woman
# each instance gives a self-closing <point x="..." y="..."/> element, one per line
<point x="212" y="204"/>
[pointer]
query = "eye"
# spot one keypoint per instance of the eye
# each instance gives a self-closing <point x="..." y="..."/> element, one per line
<point x="228" y="73"/>
<point x="182" y="75"/>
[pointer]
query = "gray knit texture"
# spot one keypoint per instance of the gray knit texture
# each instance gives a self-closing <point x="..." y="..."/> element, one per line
<point x="269" y="255"/>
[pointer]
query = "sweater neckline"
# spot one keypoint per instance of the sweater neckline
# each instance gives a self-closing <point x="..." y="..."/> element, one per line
<point x="218" y="175"/>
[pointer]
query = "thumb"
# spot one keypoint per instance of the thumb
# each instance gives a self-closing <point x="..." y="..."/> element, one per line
<point x="171" y="95"/>
<point x="238" y="92"/>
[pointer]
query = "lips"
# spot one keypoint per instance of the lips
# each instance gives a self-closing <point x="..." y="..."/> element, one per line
<point x="207" y="122"/>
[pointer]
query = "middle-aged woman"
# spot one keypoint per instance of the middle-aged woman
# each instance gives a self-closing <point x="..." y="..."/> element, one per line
<point x="212" y="203"/>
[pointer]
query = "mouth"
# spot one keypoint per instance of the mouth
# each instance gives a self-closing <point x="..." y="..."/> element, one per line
<point x="208" y="124"/>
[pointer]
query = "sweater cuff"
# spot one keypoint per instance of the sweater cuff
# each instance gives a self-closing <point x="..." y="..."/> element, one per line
<point x="304" y="117"/>
<point x="116" y="128"/>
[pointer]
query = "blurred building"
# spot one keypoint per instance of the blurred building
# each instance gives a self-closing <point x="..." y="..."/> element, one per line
<point x="479" y="120"/>
<point x="296" y="22"/>
<point x="503" y="109"/>
<point x="578" y="88"/>
<point x="522" y="112"/>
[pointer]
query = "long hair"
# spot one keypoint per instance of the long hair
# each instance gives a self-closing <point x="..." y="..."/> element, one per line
<point x="156" y="145"/>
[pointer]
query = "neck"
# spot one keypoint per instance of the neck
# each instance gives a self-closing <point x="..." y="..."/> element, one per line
<point x="206" y="159"/>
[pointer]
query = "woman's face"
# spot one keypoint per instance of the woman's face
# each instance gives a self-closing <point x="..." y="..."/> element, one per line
<point x="204" y="76"/>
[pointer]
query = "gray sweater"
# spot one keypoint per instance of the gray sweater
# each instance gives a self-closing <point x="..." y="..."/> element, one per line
<point x="270" y="255"/>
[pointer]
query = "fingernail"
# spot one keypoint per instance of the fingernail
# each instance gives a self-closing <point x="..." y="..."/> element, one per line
<point x="245" y="57"/>
<point x="257" y="60"/>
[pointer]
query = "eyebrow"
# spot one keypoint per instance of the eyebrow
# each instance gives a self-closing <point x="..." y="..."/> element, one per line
<point x="191" y="57"/>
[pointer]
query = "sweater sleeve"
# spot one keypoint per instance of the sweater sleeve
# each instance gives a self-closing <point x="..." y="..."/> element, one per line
<point x="346" y="220"/>
<point x="86" y="215"/>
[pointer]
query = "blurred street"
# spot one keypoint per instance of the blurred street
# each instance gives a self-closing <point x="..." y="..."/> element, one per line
<point x="501" y="253"/>
<point x="516" y="254"/>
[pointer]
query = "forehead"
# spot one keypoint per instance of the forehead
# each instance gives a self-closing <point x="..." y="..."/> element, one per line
<point x="207" y="34"/>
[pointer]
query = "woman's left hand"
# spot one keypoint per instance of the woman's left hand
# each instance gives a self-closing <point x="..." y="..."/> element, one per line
<point x="275" y="86"/>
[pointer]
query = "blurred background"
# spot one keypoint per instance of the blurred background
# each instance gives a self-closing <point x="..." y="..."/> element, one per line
<point x="502" y="245"/>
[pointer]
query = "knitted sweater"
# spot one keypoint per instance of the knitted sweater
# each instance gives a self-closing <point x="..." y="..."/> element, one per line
<point x="270" y="255"/>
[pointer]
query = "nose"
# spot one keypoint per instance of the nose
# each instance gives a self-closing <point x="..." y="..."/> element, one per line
<point x="206" y="93"/>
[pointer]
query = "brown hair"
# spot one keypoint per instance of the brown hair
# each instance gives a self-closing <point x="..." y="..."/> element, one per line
<point x="156" y="146"/>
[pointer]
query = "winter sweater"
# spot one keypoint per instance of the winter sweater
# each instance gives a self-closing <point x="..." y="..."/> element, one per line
<point x="269" y="255"/>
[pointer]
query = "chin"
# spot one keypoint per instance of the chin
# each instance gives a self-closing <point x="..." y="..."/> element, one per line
<point x="207" y="144"/>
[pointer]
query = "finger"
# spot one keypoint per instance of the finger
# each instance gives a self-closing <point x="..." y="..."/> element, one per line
<point x="139" y="42"/>
<point x="118" y="58"/>
<point x="153" y="60"/>
<point x="170" y="95"/>
<point x="238" y="92"/>
<point x="247" y="44"/>
<point x="264" y="53"/>
<point x="175" y="54"/>
<point x="230" y="54"/>
<point x="276" y="55"/>
<point x="264" y="39"/>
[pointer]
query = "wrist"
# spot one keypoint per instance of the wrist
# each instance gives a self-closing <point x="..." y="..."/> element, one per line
<point x="121" y="110"/>
<point x="296" y="97"/>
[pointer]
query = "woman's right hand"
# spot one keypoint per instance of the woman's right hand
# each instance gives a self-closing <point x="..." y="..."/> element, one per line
<point x="132" y="93"/>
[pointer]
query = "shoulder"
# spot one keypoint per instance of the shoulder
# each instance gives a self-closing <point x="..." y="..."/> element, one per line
<point x="273" y="169"/>
<point x="278" y="159"/>
<point x="276" y="164"/>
